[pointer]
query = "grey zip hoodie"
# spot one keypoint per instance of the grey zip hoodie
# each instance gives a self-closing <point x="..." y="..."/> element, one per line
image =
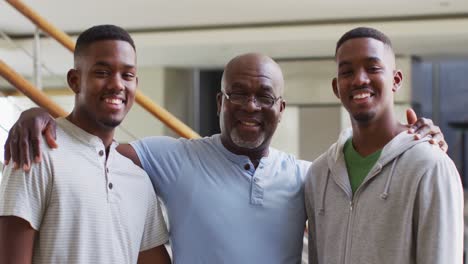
<point x="409" y="208"/>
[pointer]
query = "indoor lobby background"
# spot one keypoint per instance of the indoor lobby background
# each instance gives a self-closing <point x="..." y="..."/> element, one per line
<point x="183" y="45"/>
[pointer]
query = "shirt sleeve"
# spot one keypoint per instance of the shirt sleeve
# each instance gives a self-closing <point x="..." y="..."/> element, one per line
<point x="161" y="158"/>
<point x="155" y="232"/>
<point x="26" y="194"/>
<point x="439" y="215"/>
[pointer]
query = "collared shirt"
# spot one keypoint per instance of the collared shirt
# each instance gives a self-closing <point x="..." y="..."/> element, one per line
<point x="86" y="209"/>
<point x="223" y="210"/>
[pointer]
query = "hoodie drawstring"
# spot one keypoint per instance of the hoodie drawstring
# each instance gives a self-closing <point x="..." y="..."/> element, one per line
<point x="324" y="192"/>
<point x="384" y="195"/>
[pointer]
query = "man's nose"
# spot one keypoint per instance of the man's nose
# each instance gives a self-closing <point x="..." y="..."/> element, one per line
<point x="116" y="83"/>
<point x="361" y="78"/>
<point x="251" y="104"/>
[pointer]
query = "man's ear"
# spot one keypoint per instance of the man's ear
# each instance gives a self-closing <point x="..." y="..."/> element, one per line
<point x="73" y="79"/>
<point x="397" y="80"/>
<point x="282" y="107"/>
<point x="219" y="101"/>
<point x="335" y="87"/>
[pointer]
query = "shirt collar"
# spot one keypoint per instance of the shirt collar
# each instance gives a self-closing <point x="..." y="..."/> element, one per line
<point x="241" y="159"/>
<point x="81" y="135"/>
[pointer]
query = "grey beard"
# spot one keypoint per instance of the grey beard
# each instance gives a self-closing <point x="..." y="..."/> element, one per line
<point x="237" y="139"/>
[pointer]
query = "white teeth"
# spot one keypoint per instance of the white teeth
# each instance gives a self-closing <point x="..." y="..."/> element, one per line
<point x="245" y="123"/>
<point x="361" y="96"/>
<point x="113" y="101"/>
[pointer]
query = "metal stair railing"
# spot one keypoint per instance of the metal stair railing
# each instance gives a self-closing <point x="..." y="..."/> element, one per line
<point x="41" y="98"/>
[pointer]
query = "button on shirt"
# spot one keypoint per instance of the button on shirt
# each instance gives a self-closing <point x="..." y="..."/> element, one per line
<point x="223" y="210"/>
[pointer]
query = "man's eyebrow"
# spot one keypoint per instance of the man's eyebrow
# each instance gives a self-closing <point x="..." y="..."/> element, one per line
<point x="237" y="85"/>
<point x="267" y="88"/>
<point x="373" y="59"/>
<point x="102" y="63"/>
<point x="106" y="64"/>
<point x="344" y="63"/>
<point x="129" y="66"/>
<point x="368" y="59"/>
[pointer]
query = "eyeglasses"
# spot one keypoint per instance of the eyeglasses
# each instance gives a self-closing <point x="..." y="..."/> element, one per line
<point x="260" y="101"/>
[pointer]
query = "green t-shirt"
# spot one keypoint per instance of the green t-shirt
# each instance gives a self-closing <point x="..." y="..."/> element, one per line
<point x="358" y="167"/>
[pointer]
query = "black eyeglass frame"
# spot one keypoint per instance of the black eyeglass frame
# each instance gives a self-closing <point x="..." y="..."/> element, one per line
<point x="247" y="98"/>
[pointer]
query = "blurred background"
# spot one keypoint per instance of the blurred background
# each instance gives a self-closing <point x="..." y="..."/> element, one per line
<point x="183" y="45"/>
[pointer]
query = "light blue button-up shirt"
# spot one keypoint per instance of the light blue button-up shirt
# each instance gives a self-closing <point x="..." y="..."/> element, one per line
<point x="223" y="210"/>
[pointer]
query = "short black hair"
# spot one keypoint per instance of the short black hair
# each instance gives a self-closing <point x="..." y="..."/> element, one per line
<point x="363" y="32"/>
<point x="99" y="33"/>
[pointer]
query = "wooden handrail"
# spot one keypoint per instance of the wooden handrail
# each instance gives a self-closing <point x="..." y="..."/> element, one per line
<point x="36" y="95"/>
<point x="43" y="24"/>
<point x="167" y="118"/>
<point x="163" y="115"/>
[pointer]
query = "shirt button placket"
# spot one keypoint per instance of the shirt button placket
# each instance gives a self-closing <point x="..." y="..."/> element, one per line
<point x="109" y="184"/>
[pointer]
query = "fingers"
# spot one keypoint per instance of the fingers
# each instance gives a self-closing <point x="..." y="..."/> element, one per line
<point x="19" y="148"/>
<point x="411" y="116"/>
<point x="438" y="140"/>
<point x="36" y="148"/>
<point x="424" y="127"/>
<point x="35" y="140"/>
<point x="50" y="134"/>
<point x="14" y="149"/>
<point x="25" y="138"/>
<point x="46" y="127"/>
<point x="24" y="154"/>
<point x="426" y="130"/>
<point x="6" y="148"/>
<point x="443" y="146"/>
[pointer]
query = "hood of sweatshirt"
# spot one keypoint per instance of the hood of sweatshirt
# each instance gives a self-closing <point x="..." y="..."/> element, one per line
<point x="389" y="157"/>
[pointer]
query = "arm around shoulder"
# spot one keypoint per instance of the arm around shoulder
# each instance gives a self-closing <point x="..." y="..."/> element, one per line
<point x="161" y="157"/>
<point x="128" y="151"/>
<point x="156" y="255"/>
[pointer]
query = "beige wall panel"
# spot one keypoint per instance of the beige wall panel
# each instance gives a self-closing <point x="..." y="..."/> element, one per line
<point x="308" y="82"/>
<point x="404" y="94"/>
<point x="139" y="123"/>
<point x="319" y="128"/>
<point x="178" y="96"/>
<point x="286" y="137"/>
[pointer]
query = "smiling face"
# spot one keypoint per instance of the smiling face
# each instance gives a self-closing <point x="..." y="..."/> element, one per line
<point x="367" y="79"/>
<point x="105" y="83"/>
<point x="250" y="127"/>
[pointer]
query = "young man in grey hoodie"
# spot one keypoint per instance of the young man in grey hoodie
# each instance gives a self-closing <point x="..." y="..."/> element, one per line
<point x="377" y="195"/>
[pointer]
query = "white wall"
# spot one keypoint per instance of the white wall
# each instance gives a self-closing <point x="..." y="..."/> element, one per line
<point x="139" y="123"/>
<point x="286" y="137"/>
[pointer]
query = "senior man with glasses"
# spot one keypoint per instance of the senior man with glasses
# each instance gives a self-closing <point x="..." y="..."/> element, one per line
<point x="230" y="198"/>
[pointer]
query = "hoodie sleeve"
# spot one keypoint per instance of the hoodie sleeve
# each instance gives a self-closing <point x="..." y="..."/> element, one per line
<point x="439" y="214"/>
<point x="309" y="203"/>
